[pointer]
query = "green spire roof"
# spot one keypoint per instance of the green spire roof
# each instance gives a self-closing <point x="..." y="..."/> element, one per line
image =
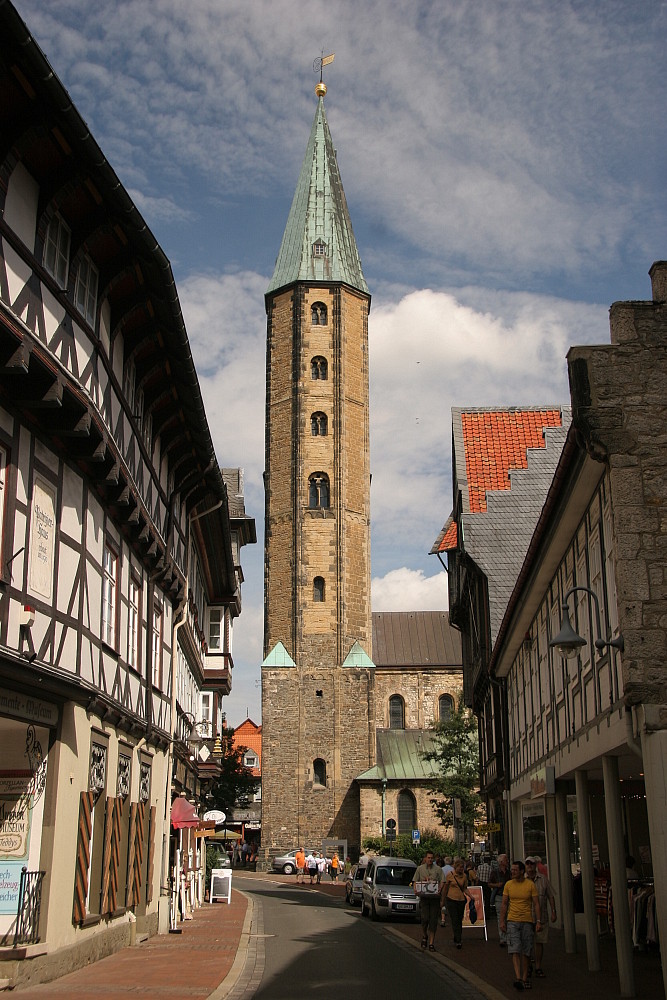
<point x="318" y="243"/>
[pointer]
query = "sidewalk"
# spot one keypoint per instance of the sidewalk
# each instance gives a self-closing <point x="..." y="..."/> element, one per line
<point x="180" y="966"/>
<point x="195" y="963"/>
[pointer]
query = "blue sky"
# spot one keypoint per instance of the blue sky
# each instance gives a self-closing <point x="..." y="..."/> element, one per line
<point x="504" y="163"/>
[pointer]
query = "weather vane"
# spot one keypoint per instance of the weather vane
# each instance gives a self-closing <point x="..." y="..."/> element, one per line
<point x="319" y="64"/>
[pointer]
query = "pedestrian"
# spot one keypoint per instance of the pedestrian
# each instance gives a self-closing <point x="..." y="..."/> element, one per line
<point x="455" y="894"/>
<point x="300" y="862"/>
<point x="321" y="867"/>
<point x="428" y="885"/>
<point x="520" y="911"/>
<point x="484" y="874"/>
<point x="546" y="898"/>
<point x="447" y="867"/>
<point x="497" y="883"/>
<point x="335" y="865"/>
<point x="311" y="867"/>
<point x="348" y="866"/>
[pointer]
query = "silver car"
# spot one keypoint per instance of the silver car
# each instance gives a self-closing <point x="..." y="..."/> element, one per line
<point x="286" y="863"/>
<point x="354" y="884"/>
<point x="387" y="889"/>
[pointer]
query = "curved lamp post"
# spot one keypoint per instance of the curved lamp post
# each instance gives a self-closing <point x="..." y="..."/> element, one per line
<point x="568" y="642"/>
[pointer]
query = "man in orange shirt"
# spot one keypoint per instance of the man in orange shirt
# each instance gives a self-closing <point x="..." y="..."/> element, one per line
<point x="300" y="861"/>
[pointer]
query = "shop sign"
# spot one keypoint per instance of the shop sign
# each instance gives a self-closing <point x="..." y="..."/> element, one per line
<point x="23" y="706"/>
<point x="543" y="782"/>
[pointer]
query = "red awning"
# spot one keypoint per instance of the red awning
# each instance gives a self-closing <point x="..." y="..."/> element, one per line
<point x="183" y="813"/>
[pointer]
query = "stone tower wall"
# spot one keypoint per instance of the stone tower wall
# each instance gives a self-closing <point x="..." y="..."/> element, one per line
<point x="317" y="709"/>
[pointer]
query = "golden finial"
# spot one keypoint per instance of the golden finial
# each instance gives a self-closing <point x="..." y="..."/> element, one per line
<point x="321" y="88"/>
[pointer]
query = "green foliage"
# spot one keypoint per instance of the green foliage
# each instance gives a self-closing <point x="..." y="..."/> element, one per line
<point x="456" y="755"/>
<point x="236" y="784"/>
<point x="402" y="847"/>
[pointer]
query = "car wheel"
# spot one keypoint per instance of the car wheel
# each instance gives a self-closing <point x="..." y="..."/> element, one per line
<point x="374" y="912"/>
<point x="288" y="869"/>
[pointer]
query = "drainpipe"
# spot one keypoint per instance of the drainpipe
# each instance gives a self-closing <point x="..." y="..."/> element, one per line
<point x="384" y="797"/>
<point x="502" y="687"/>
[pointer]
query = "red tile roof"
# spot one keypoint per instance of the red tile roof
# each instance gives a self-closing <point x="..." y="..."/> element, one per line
<point x="497" y="441"/>
<point x="249" y="735"/>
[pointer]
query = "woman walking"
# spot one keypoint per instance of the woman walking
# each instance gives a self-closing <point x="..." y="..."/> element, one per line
<point x="455" y="894"/>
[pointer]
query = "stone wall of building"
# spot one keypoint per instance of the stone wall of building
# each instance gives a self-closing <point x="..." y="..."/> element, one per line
<point x="619" y="395"/>
<point x="420" y="690"/>
<point x="371" y="808"/>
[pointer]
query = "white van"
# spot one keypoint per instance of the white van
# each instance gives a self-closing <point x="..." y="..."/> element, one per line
<point x="387" y="889"/>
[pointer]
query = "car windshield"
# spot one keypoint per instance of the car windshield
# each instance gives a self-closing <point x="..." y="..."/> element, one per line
<point x="400" y="875"/>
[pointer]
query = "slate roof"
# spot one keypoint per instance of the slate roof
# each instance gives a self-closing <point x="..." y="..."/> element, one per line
<point x="504" y="460"/>
<point x="319" y="213"/>
<point x="399" y="756"/>
<point x="415" y="639"/>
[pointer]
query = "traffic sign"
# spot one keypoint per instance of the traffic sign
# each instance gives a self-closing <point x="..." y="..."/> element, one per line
<point x="391" y="824"/>
<point x="390" y="835"/>
<point x="416" y="836"/>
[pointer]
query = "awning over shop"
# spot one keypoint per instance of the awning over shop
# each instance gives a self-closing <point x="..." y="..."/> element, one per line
<point x="183" y="814"/>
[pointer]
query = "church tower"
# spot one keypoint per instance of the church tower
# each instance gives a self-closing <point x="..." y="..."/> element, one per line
<point x="317" y="675"/>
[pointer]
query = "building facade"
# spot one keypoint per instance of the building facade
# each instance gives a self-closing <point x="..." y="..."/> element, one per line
<point x="588" y="733"/>
<point x="317" y="675"/>
<point x="120" y="570"/>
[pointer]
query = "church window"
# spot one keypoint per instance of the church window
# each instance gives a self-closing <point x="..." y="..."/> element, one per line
<point x="56" y="250"/>
<point x="445" y="707"/>
<point x="318" y="589"/>
<point x="319" y="248"/>
<point x="318" y="491"/>
<point x="407" y="812"/>
<point x="319" y="772"/>
<point x="396" y="712"/>
<point x="319" y="369"/>
<point x="318" y="314"/>
<point x="319" y="425"/>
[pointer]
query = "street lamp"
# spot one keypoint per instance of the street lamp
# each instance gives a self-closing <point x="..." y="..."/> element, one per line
<point x="568" y="642"/>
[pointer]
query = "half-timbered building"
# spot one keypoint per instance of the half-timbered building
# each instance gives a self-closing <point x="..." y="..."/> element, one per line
<point x="120" y="542"/>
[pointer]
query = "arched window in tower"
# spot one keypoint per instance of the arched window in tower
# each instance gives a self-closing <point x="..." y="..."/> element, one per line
<point x="445" y="707"/>
<point x="318" y="491"/>
<point x="319" y="369"/>
<point x="318" y="314"/>
<point x="407" y="812"/>
<point x="318" y="589"/>
<point x="396" y="712"/>
<point x="320" y="772"/>
<point x="319" y="425"/>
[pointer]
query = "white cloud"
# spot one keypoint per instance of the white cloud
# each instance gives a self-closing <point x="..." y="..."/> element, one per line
<point x="409" y="590"/>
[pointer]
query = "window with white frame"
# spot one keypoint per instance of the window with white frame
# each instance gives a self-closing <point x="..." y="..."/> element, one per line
<point x="156" y="671"/>
<point x="3" y="495"/>
<point x="250" y="759"/>
<point x="215" y="626"/>
<point x="206" y="713"/>
<point x="85" y="288"/>
<point x="109" y="596"/>
<point x="133" y="619"/>
<point x="56" y="250"/>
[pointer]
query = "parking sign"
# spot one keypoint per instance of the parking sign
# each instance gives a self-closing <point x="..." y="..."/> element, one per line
<point x="416" y="836"/>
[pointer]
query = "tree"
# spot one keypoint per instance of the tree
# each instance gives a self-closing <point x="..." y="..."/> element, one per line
<point x="456" y="754"/>
<point x="236" y="784"/>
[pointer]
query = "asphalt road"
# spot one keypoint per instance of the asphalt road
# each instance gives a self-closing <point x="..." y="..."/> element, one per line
<point x="307" y="944"/>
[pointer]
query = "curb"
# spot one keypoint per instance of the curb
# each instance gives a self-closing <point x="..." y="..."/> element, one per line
<point x="224" y="988"/>
<point x="480" y="984"/>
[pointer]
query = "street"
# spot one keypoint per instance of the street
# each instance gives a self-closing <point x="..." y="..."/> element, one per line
<point x="309" y="944"/>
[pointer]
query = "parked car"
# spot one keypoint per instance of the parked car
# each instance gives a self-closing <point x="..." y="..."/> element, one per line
<point x="354" y="884"/>
<point x="286" y="862"/>
<point x="387" y="890"/>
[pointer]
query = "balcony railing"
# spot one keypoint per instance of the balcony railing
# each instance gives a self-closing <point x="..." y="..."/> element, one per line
<point x="30" y="904"/>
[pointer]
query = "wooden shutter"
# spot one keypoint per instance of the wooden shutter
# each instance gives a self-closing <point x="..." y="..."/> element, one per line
<point x="151" y="854"/>
<point x="116" y="837"/>
<point x="138" y="851"/>
<point x="105" y="899"/>
<point x="129" y="889"/>
<point x="83" y="856"/>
